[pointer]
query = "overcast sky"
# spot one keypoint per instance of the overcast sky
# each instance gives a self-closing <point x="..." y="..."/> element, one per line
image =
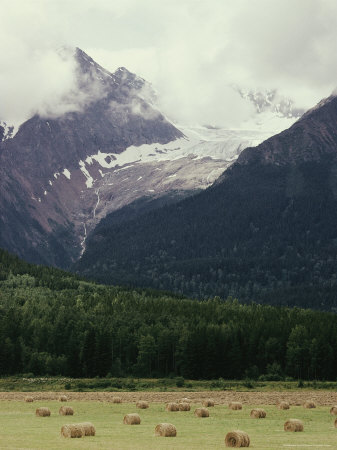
<point x="192" y="51"/>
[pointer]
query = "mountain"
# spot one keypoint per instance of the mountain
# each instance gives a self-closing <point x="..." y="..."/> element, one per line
<point x="46" y="193"/>
<point x="61" y="174"/>
<point x="265" y="231"/>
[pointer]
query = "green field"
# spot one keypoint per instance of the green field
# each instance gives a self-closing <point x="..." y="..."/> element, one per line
<point x="20" y="428"/>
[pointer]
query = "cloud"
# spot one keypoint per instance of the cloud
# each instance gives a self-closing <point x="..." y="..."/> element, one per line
<point x="204" y="49"/>
<point x="36" y="82"/>
<point x="191" y="51"/>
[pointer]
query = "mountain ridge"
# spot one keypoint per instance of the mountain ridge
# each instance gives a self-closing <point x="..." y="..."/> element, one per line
<point x="266" y="227"/>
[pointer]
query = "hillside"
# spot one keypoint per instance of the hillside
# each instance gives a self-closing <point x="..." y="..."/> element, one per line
<point x="266" y="231"/>
<point x="54" y="323"/>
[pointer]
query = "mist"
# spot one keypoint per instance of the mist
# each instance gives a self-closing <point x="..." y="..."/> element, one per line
<point x="192" y="53"/>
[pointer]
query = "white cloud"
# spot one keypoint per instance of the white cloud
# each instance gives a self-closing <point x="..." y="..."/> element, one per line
<point x="192" y="51"/>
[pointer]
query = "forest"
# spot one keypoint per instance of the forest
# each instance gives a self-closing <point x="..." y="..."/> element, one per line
<point x="55" y="323"/>
<point x="264" y="233"/>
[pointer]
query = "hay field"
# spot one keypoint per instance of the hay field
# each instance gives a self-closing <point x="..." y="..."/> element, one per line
<point x="20" y="428"/>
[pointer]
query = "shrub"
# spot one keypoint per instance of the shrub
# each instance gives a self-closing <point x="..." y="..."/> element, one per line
<point x="180" y="381"/>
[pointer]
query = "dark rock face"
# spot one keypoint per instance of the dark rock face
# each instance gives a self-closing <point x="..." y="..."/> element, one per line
<point x="43" y="183"/>
<point x="266" y="231"/>
<point x="313" y="136"/>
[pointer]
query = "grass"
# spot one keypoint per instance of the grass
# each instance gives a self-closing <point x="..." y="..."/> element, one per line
<point x="40" y="384"/>
<point x="21" y="429"/>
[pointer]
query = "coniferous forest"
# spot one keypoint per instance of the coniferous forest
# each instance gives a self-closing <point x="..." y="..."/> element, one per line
<point x="265" y="234"/>
<point x="54" y="323"/>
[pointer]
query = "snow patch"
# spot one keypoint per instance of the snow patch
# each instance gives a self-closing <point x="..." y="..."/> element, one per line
<point x="66" y="173"/>
<point x="197" y="143"/>
<point x="9" y="130"/>
<point x="89" y="180"/>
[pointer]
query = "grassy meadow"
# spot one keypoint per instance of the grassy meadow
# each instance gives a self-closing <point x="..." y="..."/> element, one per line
<point x="20" y="428"/>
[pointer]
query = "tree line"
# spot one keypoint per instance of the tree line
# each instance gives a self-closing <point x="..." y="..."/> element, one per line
<point x="53" y="323"/>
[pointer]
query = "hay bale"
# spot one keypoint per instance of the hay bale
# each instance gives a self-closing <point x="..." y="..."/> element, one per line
<point x="333" y="411"/>
<point x="165" y="430"/>
<point x="116" y="400"/>
<point x="283" y="405"/>
<point x="66" y="411"/>
<point x="335" y="423"/>
<point x="43" y="411"/>
<point x="29" y="399"/>
<point x="185" y="400"/>
<point x="131" y="419"/>
<point x="75" y="430"/>
<point x="258" y="413"/>
<point x="237" y="438"/>
<point x="142" y="404"/>
<point x="184" y="407"/>
<point x="293" y="425"/>
<point x="309" y="404"/>
<point x="89" y="429"/>
<point x="201" y="412"/>
<point x="235" y="405"/>
<point x="209" y="402"/>
<point x="172" y="407"/>
<point x="63" y="398"/>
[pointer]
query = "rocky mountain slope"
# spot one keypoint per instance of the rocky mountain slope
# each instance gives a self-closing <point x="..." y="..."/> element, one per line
<point x="61" y="175"/>
<point x="266" y="231"/>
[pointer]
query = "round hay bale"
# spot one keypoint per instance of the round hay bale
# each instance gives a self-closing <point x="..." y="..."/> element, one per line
<point x="63" y="398"/>
<point x="237" y="438"/>
<point x="74" y="430"/>
<point x="172" y="407"/>
<point x="116" y="400"/>
<point x="309" y="404"/>
<point x="184" y="407"/>
<point x="131" y="419"/>
<point x="333" y="411"/>
<point x="88" y="427"/>
<point x="29" y="399"/>
<point x="235" y="405"/>
<point x="142" y="404"/>
<point x="165" y="430"/>
<point x="335" y="423"/>
<point x="209" y="402"/>
<point x="201" y="412"/>
<point x="283" y="405"/>
<point x="66" y="411"/>
<point x="293" y="425"/>
<point x="258" y="413"/>
<point x="185" y="400"/>
<point x="43" y="411"/>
